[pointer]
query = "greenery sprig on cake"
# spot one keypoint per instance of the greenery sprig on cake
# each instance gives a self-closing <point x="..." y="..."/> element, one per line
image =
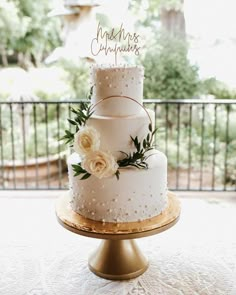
<point x="139" y="157"/>
<point x="86" y="142"/>
<point x="81" y="116"/>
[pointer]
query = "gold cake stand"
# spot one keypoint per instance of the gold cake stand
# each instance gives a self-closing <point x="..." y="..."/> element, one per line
<point x="118" y="256"/>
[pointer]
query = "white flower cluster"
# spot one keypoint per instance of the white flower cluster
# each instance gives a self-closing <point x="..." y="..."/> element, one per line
<point x="96" y="162"/>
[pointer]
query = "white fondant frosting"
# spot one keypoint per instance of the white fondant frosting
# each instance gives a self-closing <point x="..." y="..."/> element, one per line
<point x="138" y="194"/>
<point x="117" y="81"/>
<point x="116" y="132"/>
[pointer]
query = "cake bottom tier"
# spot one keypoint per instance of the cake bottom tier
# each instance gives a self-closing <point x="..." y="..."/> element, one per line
<point x="138" y="194"/>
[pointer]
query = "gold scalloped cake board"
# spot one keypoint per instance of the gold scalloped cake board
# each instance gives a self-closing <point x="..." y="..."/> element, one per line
<point x="118" y="256"/>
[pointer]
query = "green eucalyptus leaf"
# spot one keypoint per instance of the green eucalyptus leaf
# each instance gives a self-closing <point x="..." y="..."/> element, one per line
<point x="117" y="174"/>
<point x="78" y="120"/>
<point x="86" y="175"/>
<point x="144" y="143"/>
<point x="76" y="174"/>
<point x="72" y="122"/>
<point x="150" y="127"/>
<point x="68" y="132"/>
<point x="74" y="110"/>
<point x="68" y="141"/>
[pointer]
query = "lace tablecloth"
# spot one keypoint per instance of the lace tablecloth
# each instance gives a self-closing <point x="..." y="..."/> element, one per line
<point x="39" y="257"/>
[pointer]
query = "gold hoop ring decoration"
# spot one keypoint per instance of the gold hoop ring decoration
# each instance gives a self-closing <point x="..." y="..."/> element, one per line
<point x="126" y="97"/>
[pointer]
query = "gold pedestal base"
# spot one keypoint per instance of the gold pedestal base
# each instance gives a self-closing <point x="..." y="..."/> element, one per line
<point x="118" y="260"/>
<point x="118" y="257"/>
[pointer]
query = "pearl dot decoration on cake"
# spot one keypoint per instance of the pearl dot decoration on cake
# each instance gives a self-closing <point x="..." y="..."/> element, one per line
<point x="139" y="191"/>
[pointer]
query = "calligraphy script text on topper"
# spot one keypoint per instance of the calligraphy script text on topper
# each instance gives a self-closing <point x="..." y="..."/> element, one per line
<point x="100" y="43"/>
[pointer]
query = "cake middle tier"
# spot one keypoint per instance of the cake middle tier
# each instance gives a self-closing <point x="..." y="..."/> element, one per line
<point x="115" y="132"/>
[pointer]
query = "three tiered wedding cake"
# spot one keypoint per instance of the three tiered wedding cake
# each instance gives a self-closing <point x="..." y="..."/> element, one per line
<point x="116" y="174"/>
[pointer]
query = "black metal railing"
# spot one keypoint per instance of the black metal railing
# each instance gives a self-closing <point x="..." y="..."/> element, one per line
<point x="198" y="137"/>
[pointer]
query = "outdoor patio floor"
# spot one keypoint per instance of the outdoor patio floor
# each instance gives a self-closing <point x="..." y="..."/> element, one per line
<point x="38" y="256"/>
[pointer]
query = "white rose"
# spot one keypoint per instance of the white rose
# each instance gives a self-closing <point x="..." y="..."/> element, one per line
<point x="86" y="140"/>
<point x="100" y="164"/>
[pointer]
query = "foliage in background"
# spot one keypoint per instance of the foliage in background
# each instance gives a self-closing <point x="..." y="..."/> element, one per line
<point x="199" y="151"/>
<point x="147" y="12"/>
<point x="36" y="131"/>
<point x="176" y="5"/>
<point x="77" y="77"/>
<point x="10" y="27"/>
<point x="168" y="72"/>
<point x="26" y="30"/>
<point x="218" y="89"/>
<point x="66" y="80"/>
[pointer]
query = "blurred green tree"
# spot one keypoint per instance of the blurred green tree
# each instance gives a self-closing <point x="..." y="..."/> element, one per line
<point x="26" y="30"/>
<point x="10" y="28"/>
<point x="167" y="15"/>
<point x="168" y="72"/>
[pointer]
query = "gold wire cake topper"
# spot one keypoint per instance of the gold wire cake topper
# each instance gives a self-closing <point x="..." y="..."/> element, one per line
<point x="122" y="96"/>
<point x="114" y="42"/>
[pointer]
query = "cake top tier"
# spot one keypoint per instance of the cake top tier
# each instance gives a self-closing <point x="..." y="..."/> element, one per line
<point x="119" y="82"/>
